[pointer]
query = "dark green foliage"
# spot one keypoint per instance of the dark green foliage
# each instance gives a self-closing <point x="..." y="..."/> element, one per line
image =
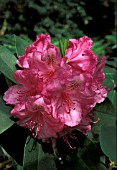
<point x="67" y="18"/>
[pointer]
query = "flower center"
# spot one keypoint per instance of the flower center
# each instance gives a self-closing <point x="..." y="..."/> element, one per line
<point x="50" y="60"/>
<point x="72" y="86"/>
<point x="34" y="126"/>
<point x="67" y="61"/>
<point x="68" y="103"/>
<point x="48" y="76"/>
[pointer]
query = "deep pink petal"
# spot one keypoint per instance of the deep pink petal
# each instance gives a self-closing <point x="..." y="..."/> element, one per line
<point x="79" y="54"/>
<point x="42" y="42"/>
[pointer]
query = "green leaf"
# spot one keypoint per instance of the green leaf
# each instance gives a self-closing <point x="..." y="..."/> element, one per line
<point x="37" y="159"/>
<point x="99" y="47"/>
<point x="106" y="112"/>
<point x="108" y="141"/>
<point x="9" y="82"/>
<point x="111" y="38"/>
<point x="110" y="72"/>
<point x="77" y="163"/>
<point x="19" y="167"/>
<point x="65" y="45"/>
<point x="87" y="155"/>
<point x="5" y="121"/>
<point x="8" y="42"/>
<point x="112" y="62"/>
<point x="7" y="63"/>
<point x="61" y="48"/>
<point x="20" y="44"/>
<point x="108" y="82"/>
<point x="112" y="95"/>
<point x="110" y="79"/>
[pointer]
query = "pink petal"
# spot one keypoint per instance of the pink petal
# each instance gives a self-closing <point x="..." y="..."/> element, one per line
<point x="11" y="96"/>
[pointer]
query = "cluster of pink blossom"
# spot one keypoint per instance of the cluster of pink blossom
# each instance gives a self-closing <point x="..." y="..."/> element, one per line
<point x="55" y="93"/>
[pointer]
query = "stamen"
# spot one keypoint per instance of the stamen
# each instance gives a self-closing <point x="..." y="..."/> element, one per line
<point x="67" y="61"/>
<point x="66" y="140"/>
<point x="74" y="85"/>
<point x="25" y="93"/>
<point x="97" y="120"/>
<point x="50" y="59"/>
<point x="72" y="136"/>
<point x="48" y="76"/>
<point x="54" y="146"/>
<point x="34" y="127"/>
<point x="68" y="103"/>
<point x="93" y="117"/>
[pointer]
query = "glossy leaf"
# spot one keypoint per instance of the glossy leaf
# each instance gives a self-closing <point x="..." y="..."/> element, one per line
<point x="35" y="158"/>
<point x="65" y="45"/>
<point x="87" y="155"/>
<point x="76" y="163"/>
<point x="106" y="112"/>
<point x="113" y="61"/>
<point x="107" y="115"/>
<point x="110" y="72"/>
<point x="7" y="63"/>
<point x="110" y="79"/>
<point x="112" y="95"/>
<point x="20" y="44"/>
<point x="7" y="41"/>
<point x="108" y="141"/>
<point x="19" y="167"/>
<point x="5" y="121"/>
<point x="61" y="48"/>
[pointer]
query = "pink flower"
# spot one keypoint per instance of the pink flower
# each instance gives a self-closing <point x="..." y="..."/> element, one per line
<point x="98" y="78"/>
<point x="41" y="55"/>
<point x="35" y="115"/>
<point x="55" y="95"/>
<point x="30" y="108"/>
<point x="39" y="45"/>
<point x="79" y="54"/>
<point x="31" y="85"/>
<point x="64" y="101"/>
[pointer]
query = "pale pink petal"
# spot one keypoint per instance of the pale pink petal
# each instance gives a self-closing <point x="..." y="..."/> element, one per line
<point x="101" y="94"/>
<point x="11" y="96"/>
<point x="42" y="42"/>
<point x="19" y="111"/>
<point x="35" y="115"/>
<point x="51" y="56"/>
<point x="71" y="118"/>
<point x="30" y="79"/>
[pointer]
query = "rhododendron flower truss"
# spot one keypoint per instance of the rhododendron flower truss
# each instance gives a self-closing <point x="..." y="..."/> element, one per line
<point x="56" y="95"/>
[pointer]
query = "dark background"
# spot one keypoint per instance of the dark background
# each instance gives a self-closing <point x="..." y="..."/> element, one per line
<point x="67" y="18"/>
